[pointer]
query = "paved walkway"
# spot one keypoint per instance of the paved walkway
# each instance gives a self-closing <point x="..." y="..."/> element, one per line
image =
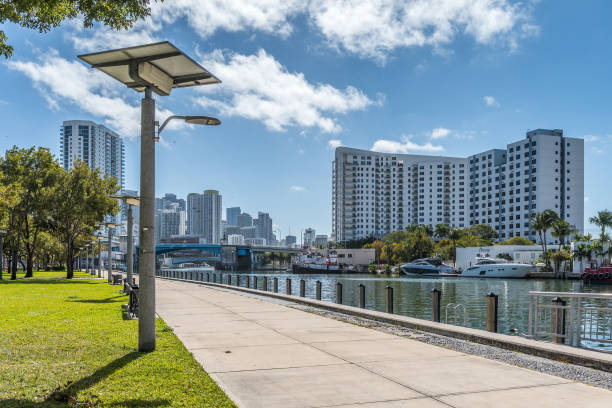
<point x="267" y="355"/>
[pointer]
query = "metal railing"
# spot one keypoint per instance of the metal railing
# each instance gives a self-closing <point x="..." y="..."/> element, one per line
<point x="454" y="308"/>
<point x="570" y="318"/>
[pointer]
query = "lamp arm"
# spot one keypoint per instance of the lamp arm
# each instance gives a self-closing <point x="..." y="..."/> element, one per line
<point x="163" y="125"/>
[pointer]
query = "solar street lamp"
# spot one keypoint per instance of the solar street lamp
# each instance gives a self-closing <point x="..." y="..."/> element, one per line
<point x="2" y="232"/>
<point x="110" y="226"/>
<point x="100" y="239"/>
<point x="158" y="68"/>
<point x="131" y="201"/>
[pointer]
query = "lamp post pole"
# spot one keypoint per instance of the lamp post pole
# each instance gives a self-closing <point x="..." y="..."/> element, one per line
<point x="130" y="247"/>
<point x="146" y="265"/>
<point x="99" y="258"/>
<point x="109" y="254"/>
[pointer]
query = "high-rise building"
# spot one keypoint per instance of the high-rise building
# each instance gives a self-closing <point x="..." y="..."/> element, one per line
<point x="96" y="145"/>
<point x="169" y="222"/>
<point x="245" y="220"/>
<point x="263" y="227"/>
<point x="377" y="193"/>
<point x="309" y="236"/>
<point x="231" y="215"/>
<point x="320" y="240"/>
<point x="290" y="240"/>
<point x="204" y="215"/>
<point x="235" y="239"/>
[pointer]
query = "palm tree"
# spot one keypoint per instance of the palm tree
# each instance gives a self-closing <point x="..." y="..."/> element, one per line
<point x="581" y="252"/>
<point x="541" y="222"/>
<point x="442" y="230"/>
<point x="454" y="235"/>
<point x="561" y="229"/>
<point x="603" y="219"/>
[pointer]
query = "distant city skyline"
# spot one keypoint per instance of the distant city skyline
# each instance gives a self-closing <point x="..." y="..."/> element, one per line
<point x="474" y="78"/>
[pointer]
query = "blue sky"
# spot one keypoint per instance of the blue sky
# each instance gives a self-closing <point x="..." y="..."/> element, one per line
<point x="450" y="77"/>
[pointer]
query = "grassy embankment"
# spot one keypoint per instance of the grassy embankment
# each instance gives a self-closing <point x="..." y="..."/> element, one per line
<point x="66" y="343"/>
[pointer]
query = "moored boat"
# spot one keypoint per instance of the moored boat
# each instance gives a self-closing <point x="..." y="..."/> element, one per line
<point x="602" y="274"/>
<point x="497" y="268"/>
<point x="430" y="267"/>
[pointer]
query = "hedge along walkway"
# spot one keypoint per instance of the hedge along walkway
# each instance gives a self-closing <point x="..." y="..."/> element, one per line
<point x="65" y="343"/>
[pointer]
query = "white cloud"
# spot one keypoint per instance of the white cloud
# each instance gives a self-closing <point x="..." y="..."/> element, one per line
<point x="439" y="133"/>
<point x="334" y="143"/>
<point x="268" y="16"/>
<point x="373" y="28"/>
<point x="490" y="101"/>
<point x="591" y="138"/>
<point x="367" y="28"/>
<point x="60" y="80"/>
<point x="258" y="87"/>
<point x="404" y="146"/>
<point x="297" y="189"/>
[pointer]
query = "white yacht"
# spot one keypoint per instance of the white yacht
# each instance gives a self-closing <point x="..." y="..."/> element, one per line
<point x="497" y="268"/>
<point x="427" y="267"/>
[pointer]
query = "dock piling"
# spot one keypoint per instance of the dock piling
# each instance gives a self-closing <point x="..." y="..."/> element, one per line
<point x="275" y="285"/>
<point x="338" y="293"/>
<point x="557" y="320"/>
<point x="492" y="303"/>
<point x="435" y="305"/>
<point x="302" y="288"/>
<point x="318" y="290"/>
<point x="389" y="299"/>
<point x="288" y="286"/>
<point x="361" y="296"/>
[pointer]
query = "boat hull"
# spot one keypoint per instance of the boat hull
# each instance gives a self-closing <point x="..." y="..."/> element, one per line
<point x="498" y="271"/>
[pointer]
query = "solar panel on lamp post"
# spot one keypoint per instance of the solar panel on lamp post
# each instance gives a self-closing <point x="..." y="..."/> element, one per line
<point x="158" y="68"/>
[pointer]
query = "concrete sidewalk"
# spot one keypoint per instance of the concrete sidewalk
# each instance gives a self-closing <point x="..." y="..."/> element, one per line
<point x="267" y="355"/>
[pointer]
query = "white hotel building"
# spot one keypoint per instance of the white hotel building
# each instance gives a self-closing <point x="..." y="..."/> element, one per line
<point x="377" y="193"/>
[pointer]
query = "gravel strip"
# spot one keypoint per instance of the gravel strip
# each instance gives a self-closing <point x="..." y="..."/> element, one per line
<point x="560" y="369"/>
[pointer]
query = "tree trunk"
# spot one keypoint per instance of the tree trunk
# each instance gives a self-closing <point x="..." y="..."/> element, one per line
<point x="69" y="262"/>
<point x="14" y="263"/>
<point x="29" y="265"/>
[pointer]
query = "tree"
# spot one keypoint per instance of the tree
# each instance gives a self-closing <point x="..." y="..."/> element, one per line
<point x="441" y="231"/>
<point x="541" y="222"/>
<point x="517" y="241"/>
<point x="603" y="219"/>
<point x="454" y="235"/>
<point x="377" y="246"/>
<point x="43" y="15"/>
<point x="484" y="231"/>
<point x="419" y="244"/>
<point x="581" y="252"/>
<point x="36" y="172"/>
<point x="80" y="200"/>
<point x="561" y="229"/>
<point x="558" y="258"/>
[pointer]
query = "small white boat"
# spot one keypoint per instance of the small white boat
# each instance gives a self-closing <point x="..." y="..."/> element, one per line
<point x="497" y="268"/>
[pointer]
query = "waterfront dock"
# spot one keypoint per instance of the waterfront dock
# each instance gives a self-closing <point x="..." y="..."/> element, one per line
<point x="265" y="354"/>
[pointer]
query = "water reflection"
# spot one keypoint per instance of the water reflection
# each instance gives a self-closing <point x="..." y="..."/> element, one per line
<point x="412" y="296"/>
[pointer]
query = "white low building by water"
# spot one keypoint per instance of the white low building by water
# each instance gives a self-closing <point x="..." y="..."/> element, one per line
<point x="527" y="254"/>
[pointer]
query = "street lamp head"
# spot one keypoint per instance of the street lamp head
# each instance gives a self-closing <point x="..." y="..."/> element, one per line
<point x="202" y="120"/>
<point x="128" y="199"/>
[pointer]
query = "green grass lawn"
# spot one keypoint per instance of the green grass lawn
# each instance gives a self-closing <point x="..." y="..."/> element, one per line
<point x="66" y="343"/>
<point x="47" y="274"/>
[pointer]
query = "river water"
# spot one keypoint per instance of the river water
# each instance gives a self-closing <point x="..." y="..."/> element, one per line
<point x="412" y="296"/>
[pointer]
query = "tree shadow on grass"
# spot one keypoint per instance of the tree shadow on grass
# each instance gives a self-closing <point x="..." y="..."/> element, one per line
<point x="107" y="300"/>
<point x="48" y="281"/>
<point x="67" y="395"/>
